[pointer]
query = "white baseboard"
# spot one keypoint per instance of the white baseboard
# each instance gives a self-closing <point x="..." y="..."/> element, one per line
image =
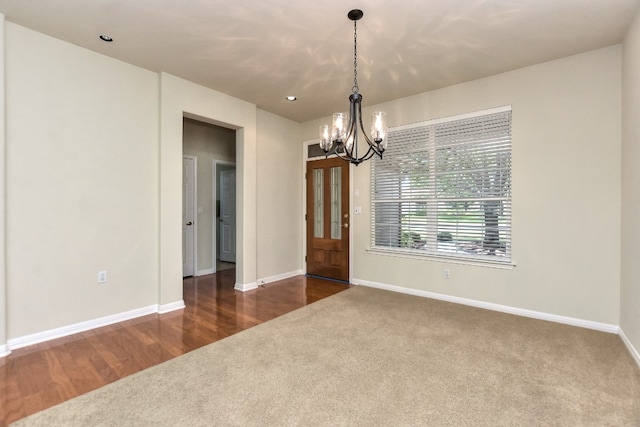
<point x="205" y="272"/>
<point x="4" y="350"/>
<point x="244" y="287"/>
<point x="64" y="331"/>
<point x="277" y="277"/>
<point x="634" y="352"/>
<point x="172" y="306"/>
<point x="604" y="327"/>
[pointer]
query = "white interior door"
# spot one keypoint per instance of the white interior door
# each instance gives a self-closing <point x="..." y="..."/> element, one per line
<point x="228" y="215"/>
<point x="188" y="201"/>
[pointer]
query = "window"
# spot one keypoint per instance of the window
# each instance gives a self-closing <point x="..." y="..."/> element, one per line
<point x="443" y="188"/>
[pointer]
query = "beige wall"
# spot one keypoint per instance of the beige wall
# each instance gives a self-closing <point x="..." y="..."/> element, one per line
<point x="3" y="272"/>
<point x="208" y="143"/>
<point x="93" y="170"/>
<point x="566" y="190"/>
<point x="279" y="196"/>
<point x="82" y="186"/>
<point x="630" y="231"/>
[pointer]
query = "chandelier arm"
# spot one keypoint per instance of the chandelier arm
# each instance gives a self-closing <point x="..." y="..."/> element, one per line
<point x="370" y="153"/>
<point x="352" y="118"/>
<point x="353" y="134"/>
<point x="331" y="152"/>
<point x="355" y="160"/>
<point x="372" y="146"/>
<point x="363" y="158"/>
<point x="345" y="157"/>
<point x="364" y="133"/>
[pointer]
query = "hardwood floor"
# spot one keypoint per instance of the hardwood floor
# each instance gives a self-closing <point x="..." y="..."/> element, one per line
<point x="37" y="377"/>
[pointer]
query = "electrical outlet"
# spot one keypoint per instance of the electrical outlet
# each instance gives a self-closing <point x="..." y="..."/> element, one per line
<point x="102" y="277"/>
<point x="447" y="273"/>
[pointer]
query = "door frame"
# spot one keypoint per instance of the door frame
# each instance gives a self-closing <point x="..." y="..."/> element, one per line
<point x="216" y="164"/>
<point x="194" y="267"/>
<point x="305" y="159"/>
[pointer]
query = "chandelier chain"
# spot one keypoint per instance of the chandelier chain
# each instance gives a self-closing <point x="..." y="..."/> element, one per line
<point x="355" y="88"/>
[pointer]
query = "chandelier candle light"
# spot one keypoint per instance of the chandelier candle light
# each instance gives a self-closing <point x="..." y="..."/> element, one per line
<point x="342" y="138"/>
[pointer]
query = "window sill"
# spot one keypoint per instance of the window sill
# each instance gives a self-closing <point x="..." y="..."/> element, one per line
<point x="409" y="254"/>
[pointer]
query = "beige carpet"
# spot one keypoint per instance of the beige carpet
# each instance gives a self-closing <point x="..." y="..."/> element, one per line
<point x="367" y="357"/>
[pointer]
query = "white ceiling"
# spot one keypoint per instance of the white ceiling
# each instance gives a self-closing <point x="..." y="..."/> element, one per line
<point x="261" y="51"/>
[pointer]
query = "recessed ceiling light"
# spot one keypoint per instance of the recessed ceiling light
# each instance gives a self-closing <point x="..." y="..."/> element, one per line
<point x="291" y="98"/>
<point x="106" y="38"/>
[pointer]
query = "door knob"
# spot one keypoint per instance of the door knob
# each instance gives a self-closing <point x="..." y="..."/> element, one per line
<point x="190" y="223"/>
<point x="345" y="225"/>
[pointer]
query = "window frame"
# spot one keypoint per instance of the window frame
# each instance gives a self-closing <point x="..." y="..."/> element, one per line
<point x="431" y="244"/>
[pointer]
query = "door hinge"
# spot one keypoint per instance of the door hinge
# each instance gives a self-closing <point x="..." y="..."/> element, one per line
<point x="305" y="258"/>
<point x="305" y="217"/>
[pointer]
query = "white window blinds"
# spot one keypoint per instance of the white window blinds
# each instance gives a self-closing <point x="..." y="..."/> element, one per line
<point x="443" y="188"/>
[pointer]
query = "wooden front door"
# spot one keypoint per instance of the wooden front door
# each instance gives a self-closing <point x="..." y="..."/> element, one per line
<point x="328" y="218"/>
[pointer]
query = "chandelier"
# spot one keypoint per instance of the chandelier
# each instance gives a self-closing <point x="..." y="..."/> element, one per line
<point x="341" y="138"/>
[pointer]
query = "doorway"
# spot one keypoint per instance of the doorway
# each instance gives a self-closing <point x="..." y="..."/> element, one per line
<point x="328" y="218"/>
<point x="208" y="144"/>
